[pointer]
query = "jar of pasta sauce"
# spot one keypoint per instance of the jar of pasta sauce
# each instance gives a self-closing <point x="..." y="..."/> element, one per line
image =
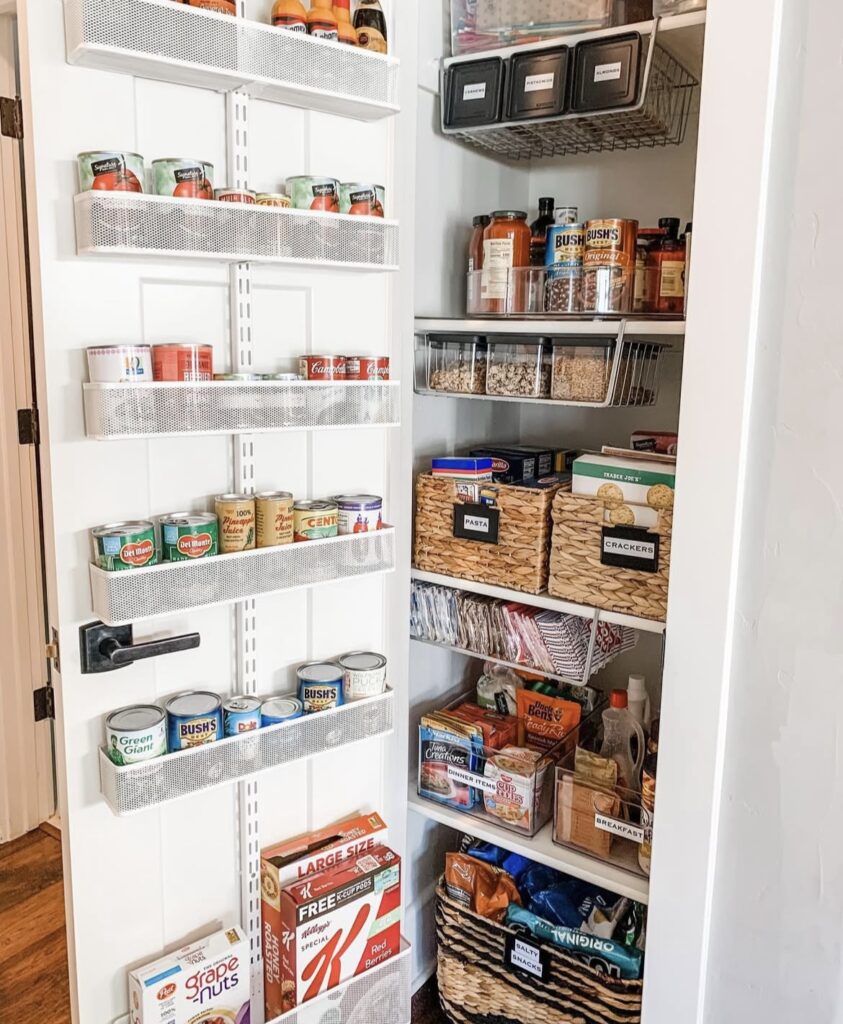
<point x="506" y="249"/>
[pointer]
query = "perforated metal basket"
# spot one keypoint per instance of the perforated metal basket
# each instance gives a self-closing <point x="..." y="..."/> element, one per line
<point x="135" y="787"/>
<point x="145" y="225"/>
<point x="132" y="594"/>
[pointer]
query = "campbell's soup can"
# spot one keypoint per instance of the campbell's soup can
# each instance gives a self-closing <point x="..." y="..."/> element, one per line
<point x="124" y="545"/>
<point x="193" y="719"/>
<point x="308" y="192"/>
<point x="111" y="171"/>
<point x="183" y="362"/>
<point x="367" y="368"/>
<point x="236" y="515"/>
<point x="241" y="714"/>
<point x="120" y="364"/>
<point x="235" y="195"/>
<point x="360" y="199"/>
<point x="186" y="537"/>
<point x="274" y="518"/>
<point x="358" y="513"/>
<point x="183" y="178"/>
<point x="320" y="687"/>
<point x="137" y="733"/>
<point x="323" y="367"/>
<point x="314" y="520"/>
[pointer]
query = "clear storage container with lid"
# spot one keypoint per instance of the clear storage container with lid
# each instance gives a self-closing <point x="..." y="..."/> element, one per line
<point x="519" y="368"/>
<point x="457" y="363"/>
<point x="582" y="369"/>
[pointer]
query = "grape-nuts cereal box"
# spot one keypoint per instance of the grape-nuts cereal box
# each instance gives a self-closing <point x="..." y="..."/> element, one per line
<point x="203" y="982"/>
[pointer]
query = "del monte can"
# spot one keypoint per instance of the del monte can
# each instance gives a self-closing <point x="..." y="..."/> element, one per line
<point x="185" y="536"/>
<point x="124" y="545"/>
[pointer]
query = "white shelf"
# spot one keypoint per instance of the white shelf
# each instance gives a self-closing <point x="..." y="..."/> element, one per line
<point x="575" y="326"/>
<point x="539" y="847"/>
<point x="129" y="595"/>
<point x="540" y="601"/>
<point x="114" y="411"/>
<point x="170" y="42"/>
<point x="526" y="400"/>
<point x="500" y="661"/>
<point x="132" y="224"/>
<point x="135" y="787"/>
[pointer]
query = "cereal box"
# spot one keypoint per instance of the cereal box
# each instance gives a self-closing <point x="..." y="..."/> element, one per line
<point x="633" y="490"/>
<point x="203" y="982"/>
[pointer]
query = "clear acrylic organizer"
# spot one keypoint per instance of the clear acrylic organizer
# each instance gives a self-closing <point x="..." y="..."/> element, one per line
<point x="456" y="363"/>
<point x="519" y="368"/>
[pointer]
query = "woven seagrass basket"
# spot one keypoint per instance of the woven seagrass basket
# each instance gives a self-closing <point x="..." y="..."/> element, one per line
<point x="476" y="988"/>
<point x="577" y="573"/>
<point x="520" y="558"/>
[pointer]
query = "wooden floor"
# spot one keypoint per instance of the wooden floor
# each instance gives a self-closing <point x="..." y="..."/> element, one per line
<point x="33" y="947"/>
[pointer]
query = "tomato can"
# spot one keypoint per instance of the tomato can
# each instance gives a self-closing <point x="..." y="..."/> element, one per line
<point x="320" y="686"/>
<point x="314" y="520"/>
<point x="312" y="193"/>
<point x="193" y="719"/>
<point x="183" y="362"/>
<point x="358" y="513"/>
<point x="360" y="199"/>
<point x="323" y="367"/>
<point x="185" y="536"/>
<point x="236" y="515"/>
<point x="220" y="6"/>
<point x="124" y="545"/>
<point x="277" y="199"/>
<point x="280" y="709"/>
<point x="136" y="733"/>
<point x="274" y="518"/>
<point x="364" y="674"/>
<point x="111" y="171"/>
<point x="367" y="368"/>
<point x="183" y="178"/>
<point x="120" y="364"/>
<point x="241" y="714"/>
<point x="235" y="195"/>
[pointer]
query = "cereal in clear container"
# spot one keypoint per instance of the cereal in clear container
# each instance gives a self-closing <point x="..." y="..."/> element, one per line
<point x="519" y="368"/>
<point x="581" y="370"/>
<point x="457" y="363"/>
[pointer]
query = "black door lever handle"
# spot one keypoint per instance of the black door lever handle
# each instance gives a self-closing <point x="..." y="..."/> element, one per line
<point x="106" y="648"/>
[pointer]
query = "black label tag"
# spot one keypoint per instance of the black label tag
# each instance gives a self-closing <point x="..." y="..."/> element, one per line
<point x="477" y="522"/>
<point x="630" y="547"/>
<point x="523" y="956"/>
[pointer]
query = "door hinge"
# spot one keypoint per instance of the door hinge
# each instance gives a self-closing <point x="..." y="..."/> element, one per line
<point x="11" y="117"/>
<point x="51" y="651"/>
<point x="44" y="702"/>
<point x="28" y="426"/>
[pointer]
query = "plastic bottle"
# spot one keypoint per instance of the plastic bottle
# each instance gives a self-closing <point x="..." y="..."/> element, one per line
<point x="321" y="20"/>
<point x="289" y="14"/>
<point x="638" y="701"/>
<point x="619" y="728"/>
<point x="538" y="231"/>
<point x="342" y="12"/>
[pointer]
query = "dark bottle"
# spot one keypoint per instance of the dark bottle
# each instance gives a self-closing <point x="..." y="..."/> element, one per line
<point x="667" y="260"/>
<point x="475" y="245"/>
<point x="370" y="25"/>
<point x="538" y="231"/>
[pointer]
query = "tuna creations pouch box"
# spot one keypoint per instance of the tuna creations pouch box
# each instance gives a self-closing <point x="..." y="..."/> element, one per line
<point x="206" y="981"/>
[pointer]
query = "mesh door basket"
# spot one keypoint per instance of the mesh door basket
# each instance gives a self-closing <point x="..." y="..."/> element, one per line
<point x="577" y="573"/>
<point x="520" y="558"/>
<point x="476" y="988"/>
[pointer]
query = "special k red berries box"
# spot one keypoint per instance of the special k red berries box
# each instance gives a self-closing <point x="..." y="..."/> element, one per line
<point x="208" y="980"/>
<point x="335" y="925"/>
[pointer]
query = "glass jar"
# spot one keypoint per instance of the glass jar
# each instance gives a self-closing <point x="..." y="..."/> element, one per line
<point x="506" y="247"/>
<point x="666" y="263"/>
<point x="475" y="243"/>
<point x="644" y="298"/>
<point x="519" y="368"/>
<point x="457" y="363"/>
<point x="581" y="369"/>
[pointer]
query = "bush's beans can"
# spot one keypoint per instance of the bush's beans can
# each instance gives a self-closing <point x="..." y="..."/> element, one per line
<point x="235" y="195"/>
<point x="323" y="367"/>
<point x="368" y="367"/>
<point x="185" y="536"/>
<point x="312" y="193"/>
<point x="276" y="199"/>
<point x="183" y="362"/>
<point x="182" y="178"/>
<point x="274" y="517"/>
<point x="137" y="733"/>
<point x="120" y="364"/>
<point x="193" y="719"/>
<point x="358" y="513"/>
<point x="320" y="686"/>
<point x="280" y="709"/>
<point x="236" y="515"/>
<point x="111" y="171"/>
<point x="241" y="714"/>
<point x="125" y="545"/>
<point x="314" y="520"/>
<point x="608" y="284"/>
<point x="360" y="199"/>
<point x="364" y="674"/>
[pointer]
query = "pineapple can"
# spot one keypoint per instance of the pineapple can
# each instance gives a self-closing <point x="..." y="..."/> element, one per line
<point x="236" y="515"/>
<point x="274" y="518"/>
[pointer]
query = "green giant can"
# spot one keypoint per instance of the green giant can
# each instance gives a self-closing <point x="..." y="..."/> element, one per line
<point x="186" y="536"/>
<point x="124" y="545"/>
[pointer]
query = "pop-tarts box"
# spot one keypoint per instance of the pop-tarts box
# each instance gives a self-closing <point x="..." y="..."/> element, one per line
<point x="207" y="980"/>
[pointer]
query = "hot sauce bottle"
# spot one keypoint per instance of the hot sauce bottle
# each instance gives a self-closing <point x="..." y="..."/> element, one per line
<point x="289" y="14"/>
<point x="342" y="12"/>
<point x="667" y="262"/>
<point x="322" y="22"/>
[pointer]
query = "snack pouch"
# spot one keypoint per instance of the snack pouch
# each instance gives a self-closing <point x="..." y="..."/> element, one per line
<point x="545" y="720"/>
<point x="481" y="887"/>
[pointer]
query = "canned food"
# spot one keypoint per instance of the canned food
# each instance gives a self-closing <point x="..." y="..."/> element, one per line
<point x="137" y="733"/>
<point x="120" y="364"/>
<point x="280" y="709"/>
<point x="380" y="192"/>
<point x="237" y="376"/>
<point x="311" y="193"/>
<point x="364" y="674"/>
<point x="124" y="545"/>
<point x="236" y="514"/>
<point x="193" y="719"/>
<point x="367" y="368"/>
<point x="220" y="6"/>
<point x="360" y="199"/>
<point x="182" y="178"/>
<point x="358" y="513"/>
<point x="287" y="377"/>
<point x="185" y="536"/>
<point x="314" y="520"/>
<point x="609" y="266"/>
<point x="178" y="362"/>
<point x="566" y="215"/>
<point x="277" y="199"/>
<point x="111" y="171"/>
<point x="274" y="517"/>
<point x="323" y="367"/>
<point x="235" y="195"/>
<point x="563" y="261"/>
<point x="241" y="714"/>
<point x="320" y="686"/>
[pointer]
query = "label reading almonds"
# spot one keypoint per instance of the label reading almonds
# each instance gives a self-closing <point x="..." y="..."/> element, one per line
<point x="608" y="72"/>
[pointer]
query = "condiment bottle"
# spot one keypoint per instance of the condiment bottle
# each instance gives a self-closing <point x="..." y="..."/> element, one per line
<point x="689" y="230"/>
<point x="321" y="20"/>
<point x="289" y="14"/>
<point x="645" y="290"/>
<point x="538" y="231"/>
<point x="342" y="12"/>
<point x="638" y="701"/>
<point x="667" y="261"/>
<point x="475" y="245"/>
<point x="619" y="728"/>
<point x="506" y="247"/>
<point x="370" y="24"/>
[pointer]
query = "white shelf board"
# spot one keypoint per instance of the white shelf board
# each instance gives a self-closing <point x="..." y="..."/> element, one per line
<point x="499" y="661"/>
<point x="539" y="847"/>
<point x="577" y="327"/>
<point x="539" y="601"/>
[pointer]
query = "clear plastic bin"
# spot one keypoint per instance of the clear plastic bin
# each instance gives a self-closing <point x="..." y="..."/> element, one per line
<point x="519" y="369"/>
<point x="663" y="8"/>
<point x="563" y="290"/>
<point x="486" y="24"/>
<point x="608" y="290"/>
<point x="457" y="363"/>
<point x="582" y="369"/>
<point x="506" y="292"/>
